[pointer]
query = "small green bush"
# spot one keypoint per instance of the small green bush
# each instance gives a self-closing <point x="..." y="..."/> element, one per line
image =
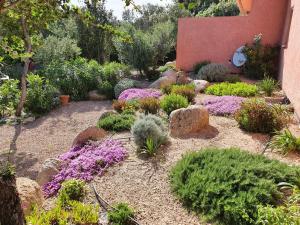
<point x="72" y="190"/>
<point x="236" y="89"/>
<point x="117" y="122"/>
<point x="165" y="68"/>
<point x="7" y="171"/>
<point x="213" y="72"/>
<point x="256" y="115"/>
<point x="285" y="142"/>
<point x="268" y="85"/>
<point x="199" y="65"/>
<point x="187" y="91"/>
<point x="120" y="215"/>
<point x="41" y="97"/>
<point x="150" y="105"/>
<point x="172" y="102"/>
<point x="122" y="105"/>
<point x="9" y="97"/>
<point x="148" y="129"/>
<point x="227" y="185"/>
<point x="123" y="85"/>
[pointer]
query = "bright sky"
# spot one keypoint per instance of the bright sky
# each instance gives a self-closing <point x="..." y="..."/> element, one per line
<point x="118" y="6"/>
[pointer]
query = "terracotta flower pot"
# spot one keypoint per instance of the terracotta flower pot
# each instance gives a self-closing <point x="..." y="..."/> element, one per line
<point x="64" y="99"/>
<point x="245" y="6"/>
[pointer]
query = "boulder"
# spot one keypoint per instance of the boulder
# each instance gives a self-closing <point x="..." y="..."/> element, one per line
<point x="30" y="194"/>
<point x="200" y="85"/>
<point x="188" y="120"/>
<point x="49" y="169"/>
<point x="167" y="78"/>
<point x="91" y="133"/>
<point x="95" y="96"/>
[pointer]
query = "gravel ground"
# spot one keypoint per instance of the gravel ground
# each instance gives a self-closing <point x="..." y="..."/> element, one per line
<point x="142" y="183"/>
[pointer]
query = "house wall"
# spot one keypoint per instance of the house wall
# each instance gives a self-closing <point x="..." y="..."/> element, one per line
<point x="290" y="70"/>
<point x="216" y="38"/>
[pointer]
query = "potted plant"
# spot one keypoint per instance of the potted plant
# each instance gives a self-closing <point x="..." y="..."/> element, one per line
<point x="64" y="99"/>
<point x="245" y="6"/>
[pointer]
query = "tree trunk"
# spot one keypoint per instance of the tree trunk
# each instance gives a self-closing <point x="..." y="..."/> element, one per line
<point x="25" y="68"/>
<point x="11" y="212"/>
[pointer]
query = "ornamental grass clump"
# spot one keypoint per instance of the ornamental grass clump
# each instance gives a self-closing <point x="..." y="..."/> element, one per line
<point x="268" y="85"/>
<point x="228" y="185"/>
<point x="150" y="105"/>
<point x="285" y="142"/>
<point x="236" y="89"/>
<point x="120" y="215"/>
<point x="172" y="102"/>
<point x="187" y="91"/>
<point x="256" y="115"/>
<point x="85" y="162"/>
<point x="223" y="105"/>
<point x="136" y="93"/>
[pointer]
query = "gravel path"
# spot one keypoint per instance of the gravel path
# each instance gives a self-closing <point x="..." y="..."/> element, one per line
<point x="142" y="183"/>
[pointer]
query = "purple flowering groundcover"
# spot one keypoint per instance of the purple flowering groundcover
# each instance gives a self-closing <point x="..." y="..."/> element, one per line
<point x="137" y="93"/>
<point x="84" y="162"/>
<point x="223" y="105"/>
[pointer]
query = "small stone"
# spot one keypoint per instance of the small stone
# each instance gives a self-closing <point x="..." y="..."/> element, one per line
<point x="200" y="85"/>
<point x="49" y="169"/>
<point x="91" y="133"/>
<point x="167" y="78"/>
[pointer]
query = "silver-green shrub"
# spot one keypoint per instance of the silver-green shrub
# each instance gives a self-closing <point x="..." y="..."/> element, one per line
<point x="149" y="126"/>
<point x="213" y="72"/>
<point x="123" y="85"/>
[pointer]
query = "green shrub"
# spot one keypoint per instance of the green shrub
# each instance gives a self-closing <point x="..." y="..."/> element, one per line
<point x="199" y="65"/>
<point x="268" y="85"/>
<point x="72" y="190"/>
<point x="213" y="72"/>
<point x="220" y="8"/>
<point x="122" y="105"/>
<point x="123" y="85"/>
<point x="84" y="214"/>
<point x="9" y="97"/>
<point x="165" y="68"/>
<point x="7" y="171"/>
<point x="41" y="97"/>
<point x="150" y="105"/>
<point x="120" y="215"/>
<point x="166" y="89"/>
<point x="285" y="142"/>
<point x="172" y="102"/>
<point x="257" y="116"/>
<point x="148" y="129"/>
<point x="262" y="60"/>
<point x="187" y="91"/>
<point x="236" y="89"/>
<point x="117" y="122"/>
<point x="227" y="185"/>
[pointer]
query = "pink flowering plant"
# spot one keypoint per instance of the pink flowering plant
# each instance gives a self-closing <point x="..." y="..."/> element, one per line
<point x="224" y="105"/>
<point x="85" y="162"/>
<point x="137" y="93"/>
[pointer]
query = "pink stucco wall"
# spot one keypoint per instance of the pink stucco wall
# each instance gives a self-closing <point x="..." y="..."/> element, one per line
<point x="290" y="72"/>
<point x="216" y="38"/>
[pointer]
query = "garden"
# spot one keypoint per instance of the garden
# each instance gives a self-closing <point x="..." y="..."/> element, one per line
<point x="99" y="126"/>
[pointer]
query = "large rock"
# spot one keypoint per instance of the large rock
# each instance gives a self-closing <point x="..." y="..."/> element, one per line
<point x="95" y="96"/>
<point x="167" y="78"/>
<point x="200" y="85"/>
<point x="91" y="133"/>
<point x="49" y="169"/>
<point x="30" y="194"/>
<point x="188" y="120"/>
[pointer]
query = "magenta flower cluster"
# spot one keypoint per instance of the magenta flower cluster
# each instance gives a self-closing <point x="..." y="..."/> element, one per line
<point x="137" y="93"/>
<point x="84" y="162"/>
<point x="223" y="105"/>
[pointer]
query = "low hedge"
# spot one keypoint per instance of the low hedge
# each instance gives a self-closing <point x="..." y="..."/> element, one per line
<point x="236" y="89"/>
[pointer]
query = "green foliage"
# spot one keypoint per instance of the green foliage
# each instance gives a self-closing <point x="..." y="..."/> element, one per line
<point x="199" y="65"/>
<point x="285" y="142"/>
<point x="41" y="95"/>
<point x="149" y="128"/>
<point x="75" y="77"/>
<point x="187" y="90"/>
<point x="84" y="213"/>
<point x="7" y="170"/>
<point x="122" y="105"/>
<point x="256" y="115"/>
<point x="165" y="68"/>
<point x="150" y="105"/>
<point x="172" y="102"/>
<point x="123" y="85"/>
<point x="9" y="97"/>
<point x="262" y="60"/>
<point x="222" y="8"/>
<point x="117" y="122"/>
<point x="227" y="185"/>
<point x="213" y="72"/>
<point x="232" y="78"/>
<point x="268" y="85"/>
<point x="236" y="89"/>
<point x="72" y="190"/>
<point x="120" y="215"/>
